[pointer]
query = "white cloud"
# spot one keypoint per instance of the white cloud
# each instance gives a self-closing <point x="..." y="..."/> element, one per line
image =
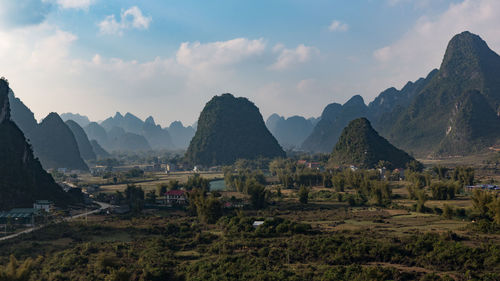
<point x="130" y="18"/>
<point x="338" y="26"/>
<point x="46" y="75"/>
<point x="75" y="4"/>
<point x="198" y="55"/>
<point x="422" y="48"/>
<point x="291" y="57"/>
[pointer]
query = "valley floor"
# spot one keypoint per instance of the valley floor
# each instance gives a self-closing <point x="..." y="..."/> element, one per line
<point x="322" y="240"/>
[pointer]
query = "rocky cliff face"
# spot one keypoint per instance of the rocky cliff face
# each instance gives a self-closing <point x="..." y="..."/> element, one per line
<point x="22" y="178"/>
<point x="53" y="142"/>
<point x="86" y="150"/>
<point x="467" y="81"/>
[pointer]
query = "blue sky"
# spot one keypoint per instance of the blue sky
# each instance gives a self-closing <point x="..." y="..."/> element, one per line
<point x="168" y="58"/>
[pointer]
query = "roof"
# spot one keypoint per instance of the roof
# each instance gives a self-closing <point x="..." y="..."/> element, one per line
<point x="18" y="213"/>
<point x="175" y="192"/>
<point x="257" y="223"/>
<point x="43" y="202"/>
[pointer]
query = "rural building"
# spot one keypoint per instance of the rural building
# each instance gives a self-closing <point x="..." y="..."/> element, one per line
<point x="313" y="165"/>
<point x="44" y="205"/>
<point x="489" y="187"/>
<point x="20" y="216"/>
<point x="175" y="197"/>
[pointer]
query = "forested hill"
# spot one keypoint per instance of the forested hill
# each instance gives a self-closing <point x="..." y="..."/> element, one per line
<point x="362" y="146"/>
<point x="453" y="111"/>
<point x="456" y="112"/>
<point x="231" y="128"/>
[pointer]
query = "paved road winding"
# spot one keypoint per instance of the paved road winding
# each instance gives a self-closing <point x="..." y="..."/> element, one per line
<point x="102" y="207"/>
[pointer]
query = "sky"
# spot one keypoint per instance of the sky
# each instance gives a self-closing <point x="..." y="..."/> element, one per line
<point x="167" y="58"/>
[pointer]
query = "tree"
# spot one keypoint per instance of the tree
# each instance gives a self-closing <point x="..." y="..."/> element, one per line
<point x="415" y="166"/>
<point x="303" y="194"/>
<point x="258" y="194"/>
<point x="135" y="197"/>
<point x="197" y="181"/>
<point x="480" y="201"/>
<point x="207" y="208"/>
<point x="151" y="197"/>
<point x="338" y="182"/>
<point x="443" y="191"/>
<point x="161" y="189"/>
<point x="465" y="175"/>
<point x="383" y="164"/>
<point x="380" y="193"/>
<point x="441" y="171"/>
<point x="494" y="209"/>
<point x="447" y="211"/>
<point x="421" y="199"/>
<point x="173" y="185"/>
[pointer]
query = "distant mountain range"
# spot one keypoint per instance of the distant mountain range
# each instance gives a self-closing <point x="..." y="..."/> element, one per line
<point x="129" y="133"/>
<point x="453" y="111"/>
<point x="290" y="132"/>
<point x="229" y="129"/>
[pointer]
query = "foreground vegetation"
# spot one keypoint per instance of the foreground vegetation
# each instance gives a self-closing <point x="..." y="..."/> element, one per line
<point x="316" y="225"/>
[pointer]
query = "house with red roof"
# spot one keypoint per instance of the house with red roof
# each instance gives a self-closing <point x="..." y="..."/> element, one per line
<point x="175" y="197"/>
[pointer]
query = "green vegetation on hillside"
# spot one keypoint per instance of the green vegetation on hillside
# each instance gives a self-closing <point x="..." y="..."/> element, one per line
<point x="360" y="145"/>
<point x="231" y="128"/>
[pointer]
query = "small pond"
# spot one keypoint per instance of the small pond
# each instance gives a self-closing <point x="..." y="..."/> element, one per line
<point x="217" y="185"/>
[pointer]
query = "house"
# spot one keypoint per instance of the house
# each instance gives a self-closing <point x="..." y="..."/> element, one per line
<point x="302" y="162"/>
<point x="20" y="216"/>
<point x="175" y="197"/>
<point x="44" y="205"/>
<point x="313" y="165"/>
<point x="98" y="170"/>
